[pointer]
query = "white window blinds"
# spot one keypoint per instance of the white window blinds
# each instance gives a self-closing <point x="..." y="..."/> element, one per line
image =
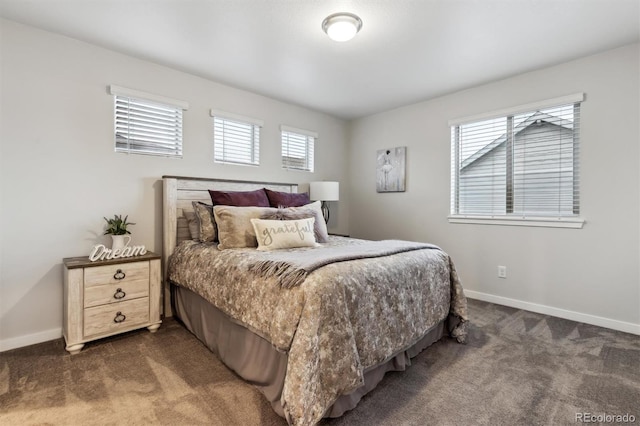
<point x="523" y="164"/>
<point x="146" y="123"/>
<point x="236" y="138"/>
<point x="297" y="148"/>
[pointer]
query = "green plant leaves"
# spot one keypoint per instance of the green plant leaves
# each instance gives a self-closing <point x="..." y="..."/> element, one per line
<point x="117" y="225"/>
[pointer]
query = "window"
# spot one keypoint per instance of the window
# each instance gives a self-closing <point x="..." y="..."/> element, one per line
<point x="146" y="123"/>
<point x="236" y="138"/>
<point x="297" y="148"/>
<point x="520" y="165"/>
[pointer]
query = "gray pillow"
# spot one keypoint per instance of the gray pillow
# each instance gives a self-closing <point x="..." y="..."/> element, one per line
<point x="206" y="222"/>
<point x="182" y="233"/>
<point x="301" y="213"/>
<point x="309" y="210"/>
<point x="193" y="224"/>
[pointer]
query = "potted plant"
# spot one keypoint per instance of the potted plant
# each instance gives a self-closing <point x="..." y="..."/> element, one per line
<point x="117" y="228"/>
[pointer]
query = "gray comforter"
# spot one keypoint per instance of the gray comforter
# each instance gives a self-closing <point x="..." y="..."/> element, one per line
<point x="345" y="317"/>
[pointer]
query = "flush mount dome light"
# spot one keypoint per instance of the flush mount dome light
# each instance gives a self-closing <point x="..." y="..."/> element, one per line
<point x="341" y="26"/>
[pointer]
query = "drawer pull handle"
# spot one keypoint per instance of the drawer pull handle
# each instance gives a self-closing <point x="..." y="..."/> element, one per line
<point x="119" y="294"/>
<point x="119" y="275"/>
<point x="119" y="318"/>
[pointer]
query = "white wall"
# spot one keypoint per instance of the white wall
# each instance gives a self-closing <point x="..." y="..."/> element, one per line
<point x="590" y="274"/>
<point x="59" y="174"/>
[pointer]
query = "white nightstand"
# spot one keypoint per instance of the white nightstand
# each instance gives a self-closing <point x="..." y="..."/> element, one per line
<point x="108" y="297"/>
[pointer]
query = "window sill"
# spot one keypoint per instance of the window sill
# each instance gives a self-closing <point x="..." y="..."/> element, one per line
<point x="547" y="222"/>
<point x="235" y="163"/>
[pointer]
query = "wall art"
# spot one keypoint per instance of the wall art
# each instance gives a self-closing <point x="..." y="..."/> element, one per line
<point x="390" y="170"/>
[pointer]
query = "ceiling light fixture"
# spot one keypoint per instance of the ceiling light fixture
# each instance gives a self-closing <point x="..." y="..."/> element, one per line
<point x="341" y="26"/>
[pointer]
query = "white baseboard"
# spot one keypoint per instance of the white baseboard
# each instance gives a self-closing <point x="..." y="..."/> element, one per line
<point x="627" y="327"/>
<point x="30" y="339"/>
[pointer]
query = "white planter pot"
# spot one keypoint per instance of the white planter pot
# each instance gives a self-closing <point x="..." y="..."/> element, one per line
<point x="119" y="242"/>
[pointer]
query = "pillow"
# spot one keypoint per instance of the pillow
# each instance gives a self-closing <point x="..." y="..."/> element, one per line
<point x="279" y="234"/>
<point x="206" y="223"/>
<point x="182" y="232"/>
<point x="193" y="224"/>
<point x="257" y="198"/>
<point x="234" y="225"/>
<point x="295" y="214"/>
<point x="286" y="199"/>
<point x="314" y="209"/>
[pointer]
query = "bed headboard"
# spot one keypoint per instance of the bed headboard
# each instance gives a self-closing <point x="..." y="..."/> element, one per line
<point x="179" y="192"/>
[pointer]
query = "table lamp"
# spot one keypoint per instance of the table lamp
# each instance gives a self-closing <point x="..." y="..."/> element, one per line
<point x="324" y="191"/>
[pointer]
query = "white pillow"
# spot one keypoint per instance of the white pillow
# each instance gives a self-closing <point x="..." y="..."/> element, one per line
<point x="279" y="234"/>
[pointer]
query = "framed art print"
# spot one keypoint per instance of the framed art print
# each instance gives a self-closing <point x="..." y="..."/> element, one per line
<point x="390" y="169"/>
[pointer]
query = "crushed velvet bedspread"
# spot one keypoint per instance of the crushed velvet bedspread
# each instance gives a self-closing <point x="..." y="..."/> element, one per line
<point x="345" y="317"/>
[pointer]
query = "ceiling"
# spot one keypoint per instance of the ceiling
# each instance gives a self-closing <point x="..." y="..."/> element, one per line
<point x="407" y="50"/>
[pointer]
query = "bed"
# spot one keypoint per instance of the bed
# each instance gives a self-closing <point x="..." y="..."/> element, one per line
<point x="314" y="328"/>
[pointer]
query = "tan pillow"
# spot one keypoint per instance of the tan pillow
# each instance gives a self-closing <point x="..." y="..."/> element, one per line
<point x="279" y="234"/>
<point x="204" y="213"/>
<point x="234" y="225"/>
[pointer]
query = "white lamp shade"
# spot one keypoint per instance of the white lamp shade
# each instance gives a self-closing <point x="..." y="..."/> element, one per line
<point x="324" y="191"/>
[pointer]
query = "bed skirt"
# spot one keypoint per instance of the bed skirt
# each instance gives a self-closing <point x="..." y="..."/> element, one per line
<point x="255" y="360"/>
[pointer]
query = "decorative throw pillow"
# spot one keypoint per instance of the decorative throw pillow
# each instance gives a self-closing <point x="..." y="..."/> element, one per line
<point x="279" y="234"/>
<point x="206" y="222"/>
<point x="193" y="224"/>
<point x="257" y="198"/>
<point x="234" y="225"/>
<point x="182" y="232"/>
<point x="315" y="209"/>
<point x="299" y="213"/>
<point x="286" y="199"/>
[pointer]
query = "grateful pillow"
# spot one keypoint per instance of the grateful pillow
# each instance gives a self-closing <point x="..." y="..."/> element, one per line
<point x="314" y="209"/>
<point x="257" y="198"/>
<point x="234" y="225"/>
<point x="207" y="226"/>
<point x="279" y="234"/>
<point x="299" y="213"/>
<point x="286" y="199"/>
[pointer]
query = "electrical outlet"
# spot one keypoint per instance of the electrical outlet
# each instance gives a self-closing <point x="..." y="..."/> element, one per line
<point x="502" y="272"/>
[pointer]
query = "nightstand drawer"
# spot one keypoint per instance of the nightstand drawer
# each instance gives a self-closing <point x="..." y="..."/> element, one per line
<point x="107" y="319"/>
<point x="117" y="292"/>
<point x="114" y="274"/>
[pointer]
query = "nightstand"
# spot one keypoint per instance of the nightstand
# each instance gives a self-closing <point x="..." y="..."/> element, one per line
<point x="108" y="297"/>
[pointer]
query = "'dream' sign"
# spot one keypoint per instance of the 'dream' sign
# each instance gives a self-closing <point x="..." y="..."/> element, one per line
<point x="100" y="252"/>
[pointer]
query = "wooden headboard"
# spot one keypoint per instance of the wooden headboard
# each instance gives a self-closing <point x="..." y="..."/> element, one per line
<point x="179" y="192"/>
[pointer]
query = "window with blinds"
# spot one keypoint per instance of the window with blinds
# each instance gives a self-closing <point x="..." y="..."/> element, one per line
<point x="236" y="138"/>
<point x="297" y="148"/>
<point x="522" y="164"/>
<point x="146" y="123"/>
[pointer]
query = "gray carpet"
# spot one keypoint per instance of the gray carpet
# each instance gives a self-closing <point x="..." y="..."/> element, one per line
<point x="518" y="368"/>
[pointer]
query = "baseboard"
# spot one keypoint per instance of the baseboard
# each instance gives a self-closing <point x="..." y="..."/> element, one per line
<point x="30" y="339"/>
<point x="627" y="327"/>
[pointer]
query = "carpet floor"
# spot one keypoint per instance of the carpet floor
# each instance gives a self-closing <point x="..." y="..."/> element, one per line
<point x="518" y="368"/>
